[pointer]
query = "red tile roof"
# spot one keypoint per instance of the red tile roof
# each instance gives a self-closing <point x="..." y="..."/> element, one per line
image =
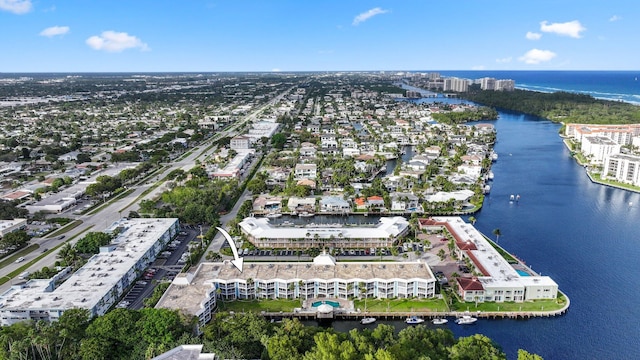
<point x="470" y="284"/>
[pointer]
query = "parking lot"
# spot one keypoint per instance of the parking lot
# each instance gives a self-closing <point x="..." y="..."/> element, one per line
<point x="168" y="264"/>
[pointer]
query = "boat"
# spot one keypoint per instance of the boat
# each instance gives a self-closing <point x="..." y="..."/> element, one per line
<point x="274" y="215"/>
<point x="512" y="197"/>
<point x="490" y="175"/>
<point x="305" y="214"/>
<point x="518" y="197"/>
<point x="494" y="156"/>
<point x="367" y="320"/>
<point x="413" y="320"/>
<point x="466" y="320"/>
<point x="439" y="321"/>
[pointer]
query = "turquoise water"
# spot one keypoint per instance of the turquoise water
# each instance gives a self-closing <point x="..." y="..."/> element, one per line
<point x="335" y="304"/>
<point x="522" y="273"/>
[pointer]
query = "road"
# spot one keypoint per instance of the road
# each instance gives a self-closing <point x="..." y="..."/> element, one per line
<point x="118" y="208"/>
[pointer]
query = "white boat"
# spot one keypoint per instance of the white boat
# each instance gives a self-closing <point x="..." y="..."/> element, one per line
<point x="367" y="320"/>
<point x="466" y="320"/>
<point x="490" y="175"/>
<point x="274" y="215"/>
<point x="512" y="197"/>
<point x="494" y="156"/>
<point x="306" y="214"/>
<point x="412" y="320"/>
<point x="439" y="321"/>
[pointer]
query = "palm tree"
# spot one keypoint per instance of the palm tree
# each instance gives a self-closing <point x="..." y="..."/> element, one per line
<point x="497" y="233"/>
<point x="363" y="291"/>
<point x="473" y="220"/>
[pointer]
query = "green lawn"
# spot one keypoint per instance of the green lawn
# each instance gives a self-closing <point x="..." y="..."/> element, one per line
<point x="268" y="305"/>
<point x="401" y="305"/>
<point x="537" y="305"/>
<point x="596" y="177"/>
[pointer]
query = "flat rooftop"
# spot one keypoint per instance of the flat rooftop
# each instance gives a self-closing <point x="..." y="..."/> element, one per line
<point x="189" y="290"/>
<point x="101" y="273"/>
<point x="386" y="227"/>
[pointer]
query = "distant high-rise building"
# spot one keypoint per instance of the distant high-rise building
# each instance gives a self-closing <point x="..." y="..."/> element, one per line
<point x="488" y="83"/>
<point x="505" y="85"/>
<point x="456" y="84"/>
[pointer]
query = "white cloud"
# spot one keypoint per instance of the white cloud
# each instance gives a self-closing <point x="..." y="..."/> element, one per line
<point x="477" y="67"/>
<point x="16" y="6"/>
<point x="536" y="56"/>
<point x="112" y="41"/>
<point x="276" y="70"/>
<point x="368" y="15"/>
<point x="571" y="28"/>
<point x="533" y="36"/>
<point x="54" y="31"/>
<point x="615" y="18"/>
<point x="504" y="60"/>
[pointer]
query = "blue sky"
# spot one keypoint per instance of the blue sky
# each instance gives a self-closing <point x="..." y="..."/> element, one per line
<point x="328" y="35"/>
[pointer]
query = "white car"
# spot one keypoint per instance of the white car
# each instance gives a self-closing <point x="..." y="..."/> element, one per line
<point x="20" y="259"/>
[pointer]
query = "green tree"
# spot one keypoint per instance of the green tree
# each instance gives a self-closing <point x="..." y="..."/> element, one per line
<point x="476" y="347"/>
<point x="330" y="347"/>
<point x="525" y="355"/>
<point x="278" y="140"/>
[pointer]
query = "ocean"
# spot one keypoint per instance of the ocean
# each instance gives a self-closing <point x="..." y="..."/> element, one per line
<point x="608" y="85"/>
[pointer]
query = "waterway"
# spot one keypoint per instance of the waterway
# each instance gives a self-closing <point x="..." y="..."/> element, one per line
<point x="583" y="235"/>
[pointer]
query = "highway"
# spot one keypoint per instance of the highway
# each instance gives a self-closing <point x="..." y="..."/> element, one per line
<point x="114" y="210"/>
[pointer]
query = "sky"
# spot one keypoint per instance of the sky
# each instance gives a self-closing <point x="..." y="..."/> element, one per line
<point x="327" y="35"/>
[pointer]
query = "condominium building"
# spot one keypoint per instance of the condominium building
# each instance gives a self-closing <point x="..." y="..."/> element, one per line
<point x="456" y="84"/>
<point x="261" y="233"/>
<point x="196" y="293"/>
<point x="505" y="85"/>
<point x="620" y="134"/>
<point x="622" y="168"/>
<point x="487" y="83"/>
<point x="100" y="282"/>
<point x="596" y="148"/>
<point x="497" y="280"/>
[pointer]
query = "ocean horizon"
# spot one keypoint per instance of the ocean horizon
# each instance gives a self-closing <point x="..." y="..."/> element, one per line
<point x="615" y="85"/>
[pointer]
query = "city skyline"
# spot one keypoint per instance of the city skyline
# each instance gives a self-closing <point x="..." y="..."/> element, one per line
<point x="101" y="36"/>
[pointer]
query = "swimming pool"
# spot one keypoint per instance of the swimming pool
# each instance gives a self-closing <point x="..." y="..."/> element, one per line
<point x="522" y="272"/>
<point x="334" y="304"/>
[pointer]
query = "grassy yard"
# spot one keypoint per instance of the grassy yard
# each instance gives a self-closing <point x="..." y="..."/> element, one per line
<point x="596" y="177"/>
<point x="537" y="305"/>
<point x="401" y="305"/>
<point x="269" y="305"/>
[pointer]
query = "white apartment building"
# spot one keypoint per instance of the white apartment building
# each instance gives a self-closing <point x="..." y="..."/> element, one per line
<point x="499" y="281"/>
<point x="505" y="85"/>
<point x="264" y="235"/>
<point x="487" y="83"/>
<point x="324" y="278"/>
<point x="456" y="84"/>
<point x="100" y="282"/>
<point x="622" y="168"/>
<point x="621" y="134"/>
<point x="598" y="147"/>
